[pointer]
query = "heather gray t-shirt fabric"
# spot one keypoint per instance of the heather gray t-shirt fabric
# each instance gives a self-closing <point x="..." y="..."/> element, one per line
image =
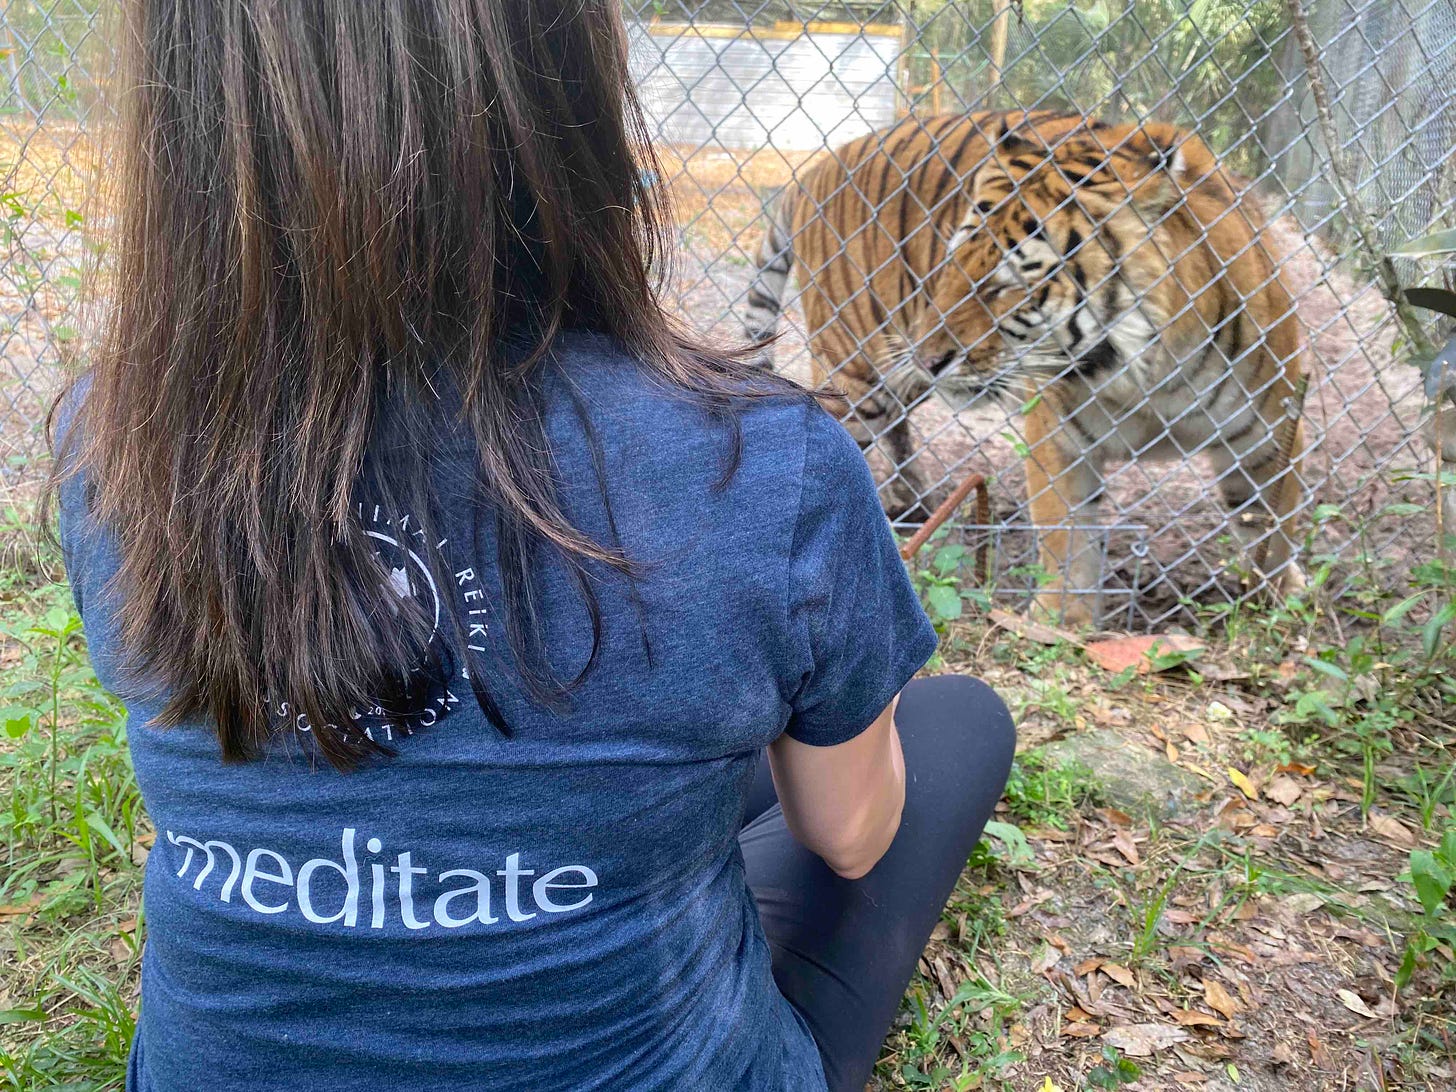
<point x="564" y="909"/>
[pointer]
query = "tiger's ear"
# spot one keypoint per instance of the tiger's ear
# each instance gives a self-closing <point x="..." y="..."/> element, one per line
<point x="1176" y="162"/>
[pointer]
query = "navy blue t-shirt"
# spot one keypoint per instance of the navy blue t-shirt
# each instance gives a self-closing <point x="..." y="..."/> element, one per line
<point x="566" y="908"/>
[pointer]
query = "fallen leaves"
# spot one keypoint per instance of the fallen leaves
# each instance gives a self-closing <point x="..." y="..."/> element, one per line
<point x="1305" y="902"/>
<point x="1392" y="830"/>
<point x="1351" y="1000"/>
<point x="1048" y="958"/>
<point x="1080" y="1029"/>
<point x="1218" y="980"/>
<point x="1283" y="790"/>
<point x="1119" y="974"/>
<point x="1243" y="783"/>
<point x="1123" y="843"/>
<point x="1195" y="1018"/>
<point x="1219" y="999"/>
<point x="1318" y="1053"/>
<point x="22" y="909"/>
<point x="1034" y="631"/>
<point x="1146" y="653"/>
<point x="1144" y="1040"/>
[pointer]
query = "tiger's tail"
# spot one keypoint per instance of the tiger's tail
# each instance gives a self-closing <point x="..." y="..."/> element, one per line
<point x="775" y="259"/>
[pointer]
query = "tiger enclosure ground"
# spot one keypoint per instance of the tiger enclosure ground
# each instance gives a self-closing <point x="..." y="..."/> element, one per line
<point x="1201" y="876"/>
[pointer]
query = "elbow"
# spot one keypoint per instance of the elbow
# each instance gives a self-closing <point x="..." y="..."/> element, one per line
<point x="855" y="856"/>
<point x="850" y="869"/>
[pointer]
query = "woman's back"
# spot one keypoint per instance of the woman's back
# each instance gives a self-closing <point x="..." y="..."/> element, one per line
<point x="564" y="907"/>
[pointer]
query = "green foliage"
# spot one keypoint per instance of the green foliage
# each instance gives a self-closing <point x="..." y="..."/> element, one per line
<point x="982" y="1037"/>
<point x="1169" y="59"/>
<point x="1114" y="1072"/>
<point x="1433" y="875"/>
<point x="942" y="584"/>
<point x="1391" y="671"/>
<point x="1429" y="791"/>
<point x="1015" y="851"/>
<point x="1043" y="794"/>
<point x="53" y="51"/>
<point x="1438" y="244"/>
<point x="71" y="830"/>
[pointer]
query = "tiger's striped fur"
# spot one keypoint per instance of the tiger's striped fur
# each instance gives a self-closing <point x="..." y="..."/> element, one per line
<point x="1111" y="275"/>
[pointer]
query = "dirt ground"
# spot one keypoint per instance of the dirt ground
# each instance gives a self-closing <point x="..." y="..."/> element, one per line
<point x="1216" y="910"/>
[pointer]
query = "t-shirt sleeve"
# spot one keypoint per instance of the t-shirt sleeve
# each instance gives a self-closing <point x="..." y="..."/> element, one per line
<point x="857" y="627"/>
<point x="75" y="528"/>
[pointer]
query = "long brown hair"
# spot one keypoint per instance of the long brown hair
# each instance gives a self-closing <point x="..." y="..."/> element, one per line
<point x="327" y="208"/>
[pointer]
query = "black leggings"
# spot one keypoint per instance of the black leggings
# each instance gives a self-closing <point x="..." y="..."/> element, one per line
<point x="844" y="950"/>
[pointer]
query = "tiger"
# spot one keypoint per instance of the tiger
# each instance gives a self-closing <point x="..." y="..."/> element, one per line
<point x="1110" y="276"/>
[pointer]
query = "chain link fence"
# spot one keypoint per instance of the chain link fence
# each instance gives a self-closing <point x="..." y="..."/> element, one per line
<point x="54" y="62"/>
<point x="749" y="99"/>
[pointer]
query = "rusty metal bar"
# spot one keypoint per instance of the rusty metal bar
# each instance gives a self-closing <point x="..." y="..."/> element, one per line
<point x="947" y="509"/>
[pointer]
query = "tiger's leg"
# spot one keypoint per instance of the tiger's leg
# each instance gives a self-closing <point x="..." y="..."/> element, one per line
<point x="1064" y="487"/>
<point x="877" y="415"/>
<point x="1263" y="494"/>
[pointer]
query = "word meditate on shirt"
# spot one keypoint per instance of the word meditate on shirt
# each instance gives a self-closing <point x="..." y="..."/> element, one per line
<point x="326" y="890"/>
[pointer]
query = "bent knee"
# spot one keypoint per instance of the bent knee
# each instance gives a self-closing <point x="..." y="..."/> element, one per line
<point x="972" y="722"/>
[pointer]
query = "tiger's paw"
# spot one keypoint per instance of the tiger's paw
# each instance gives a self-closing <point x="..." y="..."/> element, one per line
<point x="1290" y="581"/>
<point x="1056" y="607"/>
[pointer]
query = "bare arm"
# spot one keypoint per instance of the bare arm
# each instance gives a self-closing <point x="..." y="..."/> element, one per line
<point x="843" y="802"/>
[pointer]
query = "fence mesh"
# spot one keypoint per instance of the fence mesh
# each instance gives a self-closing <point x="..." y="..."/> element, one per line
<point x="748" y="100"/>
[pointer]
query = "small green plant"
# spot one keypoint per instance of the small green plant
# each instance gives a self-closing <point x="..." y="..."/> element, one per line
<point x="1430" y="792"/>
<point x="1390" y="672"/>
<point x="941" y="583"/>
<point x="1432" y="874"/>
<point x="1114" y="1072"/>
<point x="983" y="1038"/>
<point x="1015" y="851"/>
<point x="1436" y="366"/>
<point x="1043" y="794"/>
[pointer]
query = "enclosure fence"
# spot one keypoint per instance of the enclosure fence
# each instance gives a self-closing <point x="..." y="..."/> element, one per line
<point x="748" y="100"/>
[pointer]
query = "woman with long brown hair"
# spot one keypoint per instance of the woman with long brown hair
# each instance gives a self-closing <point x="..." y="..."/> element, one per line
<point x="455" y="592"/>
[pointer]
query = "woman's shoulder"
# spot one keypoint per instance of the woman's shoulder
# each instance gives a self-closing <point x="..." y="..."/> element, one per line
<point x="594" y="373"/>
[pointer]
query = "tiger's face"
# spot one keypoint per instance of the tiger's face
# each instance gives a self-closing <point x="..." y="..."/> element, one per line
<point x="1056" y="266"/>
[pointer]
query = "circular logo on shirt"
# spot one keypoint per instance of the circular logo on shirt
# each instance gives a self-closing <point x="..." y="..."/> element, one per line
<point x="409" y="576"/>
<point x="402" y="544"/>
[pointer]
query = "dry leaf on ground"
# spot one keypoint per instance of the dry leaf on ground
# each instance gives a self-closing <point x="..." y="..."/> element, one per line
<point x="20" y="908"/>
<point x="1119" y="974"/>
<point x="1046" y="960"/>
<point x="1123" y="843"/>
<point x="1301" y="903"/>
<point x="1192" y="1018"/>
<point x="1218" y="998"/>
<point x="1242" y="783"/>
<point x="1121" y="653"/>
<point x="1283" y="790"/>
<point x="1034" y="631"/>
<point x="1142" y="1040"/>
<point x="1351" y="1000"/>
<point x="1392" y="830"/>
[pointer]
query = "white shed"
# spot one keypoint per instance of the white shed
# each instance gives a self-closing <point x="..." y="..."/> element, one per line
<point x="794" y="86"/>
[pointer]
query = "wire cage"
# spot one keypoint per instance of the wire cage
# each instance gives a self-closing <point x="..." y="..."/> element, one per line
<point x="739" y="91"/>
<point x="748" y="100"/>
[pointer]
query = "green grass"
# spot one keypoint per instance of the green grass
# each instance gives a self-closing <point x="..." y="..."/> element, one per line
<point x="74" y="833"/>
